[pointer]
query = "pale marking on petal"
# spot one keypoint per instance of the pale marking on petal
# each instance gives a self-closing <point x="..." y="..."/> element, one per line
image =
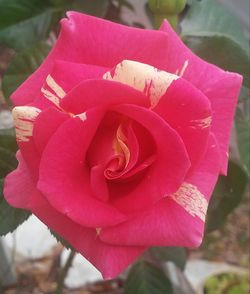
<point x="50" y="96"/>
<point x="120" y="147"/>
<point x="55" y="87"/>
<point x="227" y="154"/>
<point x="180" y="72"/>
<point x="57" y="94"/>
<point x="143" y="77"/>
<point x="192" y="200"/>
<point x="24" y="117"/>
<point x="202" y="123"/>
<point x="82" y="116"/>
<point x="98" y="231"/>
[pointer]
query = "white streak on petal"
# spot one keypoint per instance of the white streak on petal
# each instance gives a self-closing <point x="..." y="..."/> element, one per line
<point x="201" y="123"/>
<point x="107" y="76"/>
<point x="180" y="72"/>
<point x="183" y="69"/>
<point x="52" y="91"/>
<point x="55" y="87"/>
<point x="24" y="117"/>
<point x="143" y="77"/>
<point x="192" y="200"/>
<point x="82" y="116"/>
<point x="50" y="96"/>
<point x="98" y="231"/>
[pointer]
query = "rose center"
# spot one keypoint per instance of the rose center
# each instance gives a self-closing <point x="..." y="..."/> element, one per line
<point x="116" y="167"/>
<point x="120" y="152"/>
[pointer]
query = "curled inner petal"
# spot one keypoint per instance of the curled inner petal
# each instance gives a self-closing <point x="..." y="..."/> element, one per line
<point x="117" y="154"/>
<point x="121" y="148"/>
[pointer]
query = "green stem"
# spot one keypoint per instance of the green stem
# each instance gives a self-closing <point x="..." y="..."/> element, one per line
<point x="63" y="272"/>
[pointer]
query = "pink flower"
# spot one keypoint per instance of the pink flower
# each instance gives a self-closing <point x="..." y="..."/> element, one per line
<point x="122" y="135"/>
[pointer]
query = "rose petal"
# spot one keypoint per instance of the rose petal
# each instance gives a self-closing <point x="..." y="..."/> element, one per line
<point x="18" y="185"/>
<point x="98" y="183"/>
<point x="221" y="87"/>
<point x="64" y="176"/>
<point x="110" y="260"/>
<point x="111" y="41"/>
<point x="182" y="105"/>
<point x="142" y="77"/>
<point x="166" y="173"/>
<point x="20" y="191"/>
<point x="105" y="152"/>
<point x="110" y="47"/>
<point x="69" y="74"/>
<point x="66" y="75"/>
<point x="24" y="118"/>
<point x="101" y="147"/>
<point x="33" y="133"/>
<point x="92" y="93"/>
<point x="188" y="112"/>
<point x="45" y="125"/>
<point x="129" y="146"/>
<point x="177" y="220"/>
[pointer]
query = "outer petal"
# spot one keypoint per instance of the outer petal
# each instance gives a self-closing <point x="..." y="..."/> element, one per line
<point x="69" y="74"/>
<point x="24" y="118"/>
<point x="166" y="173"/>
<point x="222" y="88"/>
<point x="33" y="133"/>
<point x="177" y="220"/>
<point x="142" y="77"/>
<point x="182" y="105"/>
<point x="188" y="112"/>
<point x="110" y="260"/>
<point x="19" y="186"/>
<point x="64" y="175"/>
<point x="64" y="76"/>
<point x="92" y="93"/>
<point x="20" y="191"/>
<point x="45" y="125"/>
<point x="90" y="40"/>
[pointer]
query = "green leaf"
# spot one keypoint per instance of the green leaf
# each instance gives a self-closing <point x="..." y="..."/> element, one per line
<point x="10" y="217"/>
<point x="177" y="255"/>
<point x="8" y="148"/>
<point x="93" y="7"/>
<point x="7" y="132"/>
<point x="223" y="52"/>
<point x="209" y="19"/>
<point x="144" y="278"/>
<point x="227" y="196"/>
<point x="22" y="66"/>
<point x="7" y="161"/>
<point x="24" y="22"/>
<point x="242" y="123"/>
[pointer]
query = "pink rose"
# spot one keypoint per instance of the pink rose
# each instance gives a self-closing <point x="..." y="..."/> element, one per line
<point x="122" y="135"/>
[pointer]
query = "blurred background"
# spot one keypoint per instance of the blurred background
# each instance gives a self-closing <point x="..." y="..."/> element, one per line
<point x="30" y="257"/>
